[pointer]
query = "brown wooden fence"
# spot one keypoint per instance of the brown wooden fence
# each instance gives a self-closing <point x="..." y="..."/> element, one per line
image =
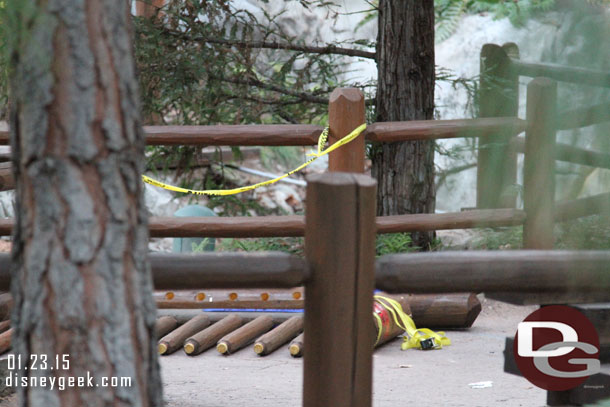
<point x="339" y="270"/>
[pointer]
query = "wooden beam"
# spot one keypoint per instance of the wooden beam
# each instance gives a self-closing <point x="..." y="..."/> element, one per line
<point x="340" y="247"/>
<point x="562" y="73"/>
<point x="294" y="226"/>
<point x="346" y="113"/>
<point x="389" y="132"/>
<point x="539" y="164"/>
<point x="578" y="208"/>
<point x="582" y="117"/>
<point x="571" y="154"/>
<point x="7" y="182"/>
<point x="222" y="135"/>
<point x="495" y="271"/>
<point x="227" y="270"/>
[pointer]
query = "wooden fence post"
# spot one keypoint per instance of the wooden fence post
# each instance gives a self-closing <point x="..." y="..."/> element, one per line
<point x="539" y="164"/>
<point x="345" y="113"/>
<point x="340" y="249"/>
<point x="498" y="97"/>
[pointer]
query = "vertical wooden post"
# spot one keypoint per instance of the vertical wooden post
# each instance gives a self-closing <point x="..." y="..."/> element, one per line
<point x="345" y="113"/>
<point x="498" y="97"/>
<point x="539" y="164"/>
<point x="340" y="248"/>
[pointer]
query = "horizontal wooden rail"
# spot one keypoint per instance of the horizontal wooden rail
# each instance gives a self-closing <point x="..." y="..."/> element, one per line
<point x="570" y="154"/>
<point x="213" y="270"/>
<point x="7" y="181"/>
<point x="222" y="135"/>
<point x="578" y="208"/>
<point x="573" y="119"/>
<point x="562" y="73"/>
<point x="442" y="129"/>
<point x="294" y="226"/>
<point x="536" y="271"/>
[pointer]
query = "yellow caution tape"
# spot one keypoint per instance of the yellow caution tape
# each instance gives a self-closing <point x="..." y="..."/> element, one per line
<point x="414" y="338"/>
<point x="321" y="152"/>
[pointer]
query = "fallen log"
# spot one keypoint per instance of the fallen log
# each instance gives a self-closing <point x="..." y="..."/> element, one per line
<point x="444" y="310"/>
<point x="244" y="335"/>
<point x="174" y="340"/>
<point x="207" y="338"/>
<point x="278" y="336"/>
<point x="165" y="325"/>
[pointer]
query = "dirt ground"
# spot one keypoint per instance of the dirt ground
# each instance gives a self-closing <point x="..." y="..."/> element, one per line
<point x="433" y="378"/>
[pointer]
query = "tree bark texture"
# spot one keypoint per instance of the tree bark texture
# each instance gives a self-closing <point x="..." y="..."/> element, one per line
<point x="405" y="62"/>
<point x="80" y="280"/>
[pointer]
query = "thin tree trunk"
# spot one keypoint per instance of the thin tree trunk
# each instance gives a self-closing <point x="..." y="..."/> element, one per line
<point x="81" y="282"/>
<point x="405" y="61"/>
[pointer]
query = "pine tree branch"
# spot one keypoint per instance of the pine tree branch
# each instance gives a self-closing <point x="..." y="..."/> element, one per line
<point x="326" y="50"/>
<point x="305" y="97"/>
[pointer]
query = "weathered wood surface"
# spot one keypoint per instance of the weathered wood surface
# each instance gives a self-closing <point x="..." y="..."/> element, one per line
<point x="287" y="226"/>
<point x="571" y="154"/>
<point x="524" y="271"/>
<point x="6" y="305"/>
<point x="341" y="252"/>
<point x="227" y="270"/>
<point x="345" y="114"/>
<point x="498" y="97"/>
<point x="389" y="132"/>
<point x="165" y="325"/>
<point x="445" y="310"/>
<point x="5" y="325"/>
<point x="278" y="336"/>
<point x="222" y="135"/>
<point x="549" y="298"/>
<point x="577" y="208"/>
<point x="583" y="117"/>
<point x="539" y="164"/>
<point x="7" y="181"/>
<point x="178" y="303"/>
<point x="6" y="340"/>
<point x="562" y="73"/>
<point x="183" y="315"/>
<point x="242" y="336"/>
<point x="175" y="339"/>
<point x="207" y="338"/>
<point x="296" y="346"/>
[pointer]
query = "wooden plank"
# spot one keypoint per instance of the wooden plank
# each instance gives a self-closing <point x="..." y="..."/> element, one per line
<point x="571" y="154"/>
<point x="539" y="164"/>
<point x="389" y="132"/>
<point x="498" y="97"/>
<point x="582" y="117"/>
<point x="443" y="221"/>
<point x="222" y="135"/>
<point x="340" y="248"/>
<point x="183" y="315"/>
<point x="227" y="270"/>
<point x="562" y="73"/>
<point x="524" y="271"/>
<point x="294" y="226"/>
<point x="345" y="114"/>
<point x="244" y="226"/>
<point x="228" y="304"/>
<point x="578" y="208"/>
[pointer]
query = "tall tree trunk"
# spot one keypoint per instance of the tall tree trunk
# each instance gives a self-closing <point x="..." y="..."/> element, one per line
<point x="405" y="62"/>
<point x="81" y="281"/>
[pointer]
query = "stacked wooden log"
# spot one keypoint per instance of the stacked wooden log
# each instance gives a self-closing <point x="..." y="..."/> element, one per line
<point x="195" y="331"/>
<point x="6" y="332"/>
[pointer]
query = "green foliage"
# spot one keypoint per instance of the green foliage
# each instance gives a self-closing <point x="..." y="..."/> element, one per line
<point x="394" y="243"/>
<point x="292" y="245"/>
<point x="590" y="233"/>
<point x="499" y="238"/>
